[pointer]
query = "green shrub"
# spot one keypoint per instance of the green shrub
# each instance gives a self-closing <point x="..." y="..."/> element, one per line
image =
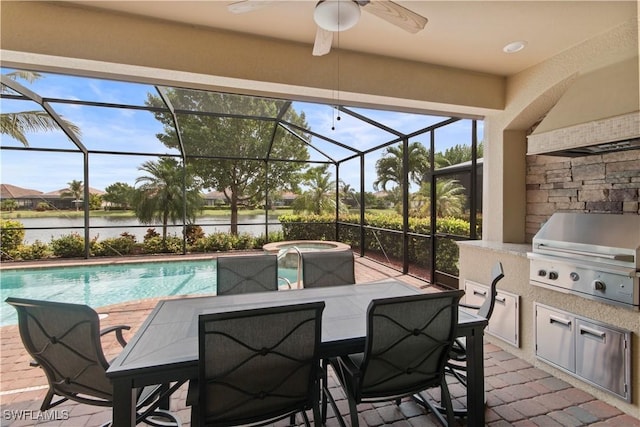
<point x="193" y="233"/>
<point x="151" y="232"/>
<point x="38" y="250"/>
<point x="245" y="241"/>
<point x="155" y="245"/>
<point x="11" y="234"/>
<point x="215" y="242"/>
<point x="68" y="246"/>
<point x="42" y="206"/>
<point x="117" y="246"/>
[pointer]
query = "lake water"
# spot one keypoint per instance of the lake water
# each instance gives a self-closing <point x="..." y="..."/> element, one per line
<point x="251" y="224"/>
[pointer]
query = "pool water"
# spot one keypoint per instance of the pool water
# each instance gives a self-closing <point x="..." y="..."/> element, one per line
<point x="101" y="285"/>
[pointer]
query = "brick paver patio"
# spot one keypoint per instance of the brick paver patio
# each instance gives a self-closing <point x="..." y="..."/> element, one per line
<point x="518" y="394"/>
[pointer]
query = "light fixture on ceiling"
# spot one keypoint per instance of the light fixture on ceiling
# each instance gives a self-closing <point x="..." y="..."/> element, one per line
<point x="336" y="15"/>
<point x="514" y="47"/>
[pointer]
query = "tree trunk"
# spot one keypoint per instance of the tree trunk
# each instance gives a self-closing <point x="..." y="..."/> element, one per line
<point x="234" y="213"/>
<point x="165" y="221"/>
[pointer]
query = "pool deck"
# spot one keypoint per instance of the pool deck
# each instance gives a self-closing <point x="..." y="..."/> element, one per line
<point x="518" y="394"/>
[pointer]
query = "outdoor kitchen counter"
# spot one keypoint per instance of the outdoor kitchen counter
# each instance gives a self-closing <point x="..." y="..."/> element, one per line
<point x="519" y="249"/>
<point x="476" y="259"/>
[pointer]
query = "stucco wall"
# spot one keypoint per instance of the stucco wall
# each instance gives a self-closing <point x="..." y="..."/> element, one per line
<point x="530" y="95"/>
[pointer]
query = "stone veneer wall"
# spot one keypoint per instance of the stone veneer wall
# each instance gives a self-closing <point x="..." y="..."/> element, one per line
<point x="606" y="183"/>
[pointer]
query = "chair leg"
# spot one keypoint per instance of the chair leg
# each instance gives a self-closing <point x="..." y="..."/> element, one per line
<point x="324" y="389"/>
<point x="446" y="398"/>
<point x="317" y="418"/>
<point x="353" y="411"/>
<point x="47" y="400"/>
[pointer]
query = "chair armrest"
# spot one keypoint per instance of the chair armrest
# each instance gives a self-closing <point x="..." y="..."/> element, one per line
<point x="471" y="306"/>
<point x="346" y="365"/>
<point x="118" y="330"/>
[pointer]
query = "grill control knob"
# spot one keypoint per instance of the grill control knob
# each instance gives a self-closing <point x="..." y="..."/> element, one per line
<point x="553" y="275"/>
<point x="599" y="285"/>
<point x="574" y="276"/>
<point x="542" y="273"/>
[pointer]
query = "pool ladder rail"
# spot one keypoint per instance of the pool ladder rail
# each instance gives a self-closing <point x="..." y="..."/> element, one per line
<point x="282" y="254"/>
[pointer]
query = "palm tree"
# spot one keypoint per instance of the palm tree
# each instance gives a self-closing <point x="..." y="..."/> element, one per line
<point x="319" y="197"/>
<point x="347" y="195"/>
<point x="389" y="166"/>
<point x="450" y="198"/>
<point x="75" y="190"/>
<point x="160" y="195"/>
<point x="16" y="125"/>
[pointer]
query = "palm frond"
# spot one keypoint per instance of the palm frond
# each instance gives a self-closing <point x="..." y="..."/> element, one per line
<point x="17" y="125"/>
<point x="30" y="76"/>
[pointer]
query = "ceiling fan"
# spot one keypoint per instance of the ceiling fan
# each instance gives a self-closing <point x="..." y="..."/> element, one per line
<point x="340" y="15"/>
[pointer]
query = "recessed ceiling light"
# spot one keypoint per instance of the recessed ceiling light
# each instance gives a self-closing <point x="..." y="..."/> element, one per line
<point x="514" y="47"/>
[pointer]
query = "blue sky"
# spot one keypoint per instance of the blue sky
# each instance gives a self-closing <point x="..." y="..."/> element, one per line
<point x="134" y="131"/>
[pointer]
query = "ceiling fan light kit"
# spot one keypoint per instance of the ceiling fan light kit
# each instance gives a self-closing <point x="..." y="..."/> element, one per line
<point x="336" y="15"/>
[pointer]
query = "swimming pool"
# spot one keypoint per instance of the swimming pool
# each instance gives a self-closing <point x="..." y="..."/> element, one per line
<point x="100" y="285"/>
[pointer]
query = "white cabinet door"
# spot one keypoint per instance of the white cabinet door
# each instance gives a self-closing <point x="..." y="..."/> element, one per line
<point x="505" y="320"/>
<point x="555" y="338"/>
<point x="601" y="354"/>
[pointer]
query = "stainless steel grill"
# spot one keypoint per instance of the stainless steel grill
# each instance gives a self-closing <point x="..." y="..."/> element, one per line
<point x="596" y="256"/>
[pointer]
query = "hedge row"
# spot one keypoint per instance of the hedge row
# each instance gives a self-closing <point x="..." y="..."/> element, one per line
<point x="322" y="227"/>
<point x="383" y="237"/>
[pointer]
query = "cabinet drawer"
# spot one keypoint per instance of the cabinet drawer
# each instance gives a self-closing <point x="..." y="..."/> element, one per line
<point x="554" y="338"/>
<point x="505" y="320"/>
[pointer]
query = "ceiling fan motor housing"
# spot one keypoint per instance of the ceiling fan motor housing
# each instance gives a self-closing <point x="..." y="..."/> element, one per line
<point x="336" y="15"/>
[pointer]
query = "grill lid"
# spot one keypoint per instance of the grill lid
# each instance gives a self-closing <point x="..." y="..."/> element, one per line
<point x="606" y="238"/>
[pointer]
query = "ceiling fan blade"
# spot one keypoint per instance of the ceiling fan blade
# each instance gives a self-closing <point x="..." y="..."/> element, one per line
<point x="248" y="5"/>
<point x="322" y="45"/>
<point x="396" y="15"/>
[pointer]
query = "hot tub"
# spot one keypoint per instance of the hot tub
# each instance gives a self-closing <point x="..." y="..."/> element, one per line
<point x="287" y="251"/>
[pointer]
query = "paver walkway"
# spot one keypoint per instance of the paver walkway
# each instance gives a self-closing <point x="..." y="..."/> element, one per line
<point x="518" y="394"/>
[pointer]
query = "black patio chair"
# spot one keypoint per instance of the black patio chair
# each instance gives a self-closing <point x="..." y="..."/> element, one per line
<point x="239" y="274"/>
<point x="65" y="341"/>
<point x="257" y="366"/>
<point x="457" y="364"/>
<point x="327" y="268"/>
<point x="407" y="346"/>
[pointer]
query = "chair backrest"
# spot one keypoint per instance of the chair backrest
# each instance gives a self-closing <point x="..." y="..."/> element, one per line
<point x="408" y="342"/>
<point x="486" y="309"/>
<point x="64" y="339"/>
<point x="247" y="273"/>
<point x="327" y="268"/>
<point x="258" y="364"/>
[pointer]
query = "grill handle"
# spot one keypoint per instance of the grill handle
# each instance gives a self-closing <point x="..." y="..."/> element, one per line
<point x="616" y="257"/>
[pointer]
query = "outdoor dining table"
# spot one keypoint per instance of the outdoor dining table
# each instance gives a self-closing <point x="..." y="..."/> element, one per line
<point x="165" y="348"/>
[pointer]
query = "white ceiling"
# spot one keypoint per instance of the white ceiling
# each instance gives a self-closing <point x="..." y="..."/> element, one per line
<point x="463" y="34"/>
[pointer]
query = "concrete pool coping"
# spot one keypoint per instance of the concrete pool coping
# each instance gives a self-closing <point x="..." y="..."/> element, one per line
<point x="276" y="247"/>
<point x="130" y="259"/>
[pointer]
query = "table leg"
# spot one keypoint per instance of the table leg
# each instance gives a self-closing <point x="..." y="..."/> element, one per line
<point x="475" y="377"/>
<point x="124" y="403"/>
